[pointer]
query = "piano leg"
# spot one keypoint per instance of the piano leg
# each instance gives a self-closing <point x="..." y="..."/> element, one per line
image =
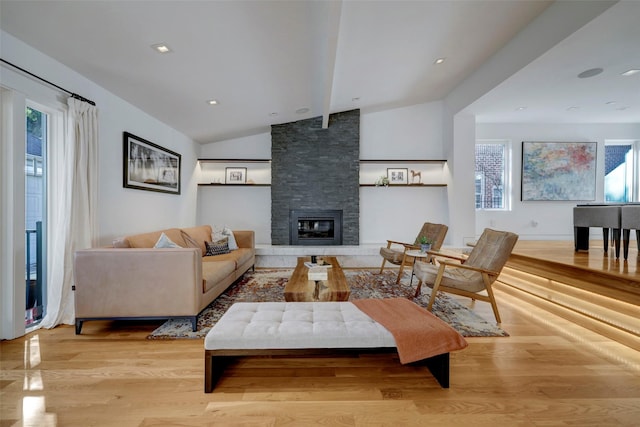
<point x="616" y="238"/>
<point x="626" y="233"/>
<point x="581" y="238"/>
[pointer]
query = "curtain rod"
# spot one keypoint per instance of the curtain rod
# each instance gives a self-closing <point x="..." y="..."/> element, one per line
<point x="73" y="95"/>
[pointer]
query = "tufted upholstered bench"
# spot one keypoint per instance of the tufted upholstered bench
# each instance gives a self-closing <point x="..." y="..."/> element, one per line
<point x="299" y="328"/>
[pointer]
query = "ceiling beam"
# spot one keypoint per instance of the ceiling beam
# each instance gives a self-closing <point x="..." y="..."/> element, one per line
<point x="333" y="30"/>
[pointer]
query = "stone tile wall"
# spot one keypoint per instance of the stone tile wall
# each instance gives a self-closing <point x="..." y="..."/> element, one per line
<point x="315" y="168"/>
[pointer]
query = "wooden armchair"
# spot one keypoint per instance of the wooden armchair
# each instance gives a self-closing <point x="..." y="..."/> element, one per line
<point x="471" y="275"/>
<point x="396" y="252"/>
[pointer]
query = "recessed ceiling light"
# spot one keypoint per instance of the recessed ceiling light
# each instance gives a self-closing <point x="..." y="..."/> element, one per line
<point x="439" y="61"/>
<point x="355" y="99"/>
<point x="521" y="108"/>
<point x="302" y="110"/>
<point x="212" y="102"/>
<point x="273" y="114"/>
<point x="573" y="108"/>
<point x="161" y="48"/>
<point x="590" y="73"/>
<point x="622" y="108"/>
<point x="610" y="102"/>
<point x="631" y="72"/>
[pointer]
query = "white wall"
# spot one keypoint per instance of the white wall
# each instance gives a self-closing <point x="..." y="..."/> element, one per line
<point x="122" y="211"/>
<point x="385" y="213"/>
<point x="413" y="132"/>
<point x="548" y="220"/>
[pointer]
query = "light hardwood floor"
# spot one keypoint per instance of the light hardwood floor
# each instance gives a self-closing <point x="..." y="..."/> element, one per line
<point x="549" y="372"/>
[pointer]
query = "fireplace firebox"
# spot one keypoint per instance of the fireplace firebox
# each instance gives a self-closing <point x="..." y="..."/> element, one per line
<point x="315" y="227"/>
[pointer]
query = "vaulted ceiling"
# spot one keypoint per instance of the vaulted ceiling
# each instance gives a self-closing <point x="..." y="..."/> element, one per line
<point x="268" y="62"/>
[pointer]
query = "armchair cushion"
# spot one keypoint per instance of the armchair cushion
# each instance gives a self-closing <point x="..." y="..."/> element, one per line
<point x="453" y="277"/>
<point x="394" y="256"/>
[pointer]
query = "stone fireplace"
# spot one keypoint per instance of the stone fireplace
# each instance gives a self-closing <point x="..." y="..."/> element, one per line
<point x="316" y="169"/>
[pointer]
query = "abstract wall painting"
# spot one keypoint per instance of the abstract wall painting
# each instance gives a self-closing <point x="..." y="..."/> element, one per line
<point x="558" y="171"/>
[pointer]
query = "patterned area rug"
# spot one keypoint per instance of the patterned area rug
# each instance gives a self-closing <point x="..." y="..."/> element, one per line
<point x="268" y="285"/>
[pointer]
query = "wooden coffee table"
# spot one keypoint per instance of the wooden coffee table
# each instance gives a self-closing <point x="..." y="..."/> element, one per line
<point x="301" y="289"/>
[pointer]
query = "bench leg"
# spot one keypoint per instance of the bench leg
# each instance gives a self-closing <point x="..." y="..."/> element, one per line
<point x="213" y="369"/>
<point x="439" y="367"/>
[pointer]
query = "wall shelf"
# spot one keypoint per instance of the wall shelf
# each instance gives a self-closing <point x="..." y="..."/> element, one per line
<point x="217" y="184"/>
<point x="361" y="161"/>
<point x="235" y="160"/>
<point x="428" y="172"/>
<point x="404" y="185"/>
<point x="392" y="161"/>
<point x="257" y="172"/>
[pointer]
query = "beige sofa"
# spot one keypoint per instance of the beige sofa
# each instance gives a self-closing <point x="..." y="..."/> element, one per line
<point x="132" y="280"/>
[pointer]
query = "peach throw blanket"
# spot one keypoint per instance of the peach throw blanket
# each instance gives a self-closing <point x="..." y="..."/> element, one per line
<point x="418" y="333"/>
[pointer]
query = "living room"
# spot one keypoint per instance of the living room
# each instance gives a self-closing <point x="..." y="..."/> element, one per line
<point x="445" y="129"/>
<point x="422" y="131"/>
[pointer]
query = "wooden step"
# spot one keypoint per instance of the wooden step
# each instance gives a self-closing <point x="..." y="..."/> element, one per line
<point x="606" y="281"/>
<point x="575" y="298"/>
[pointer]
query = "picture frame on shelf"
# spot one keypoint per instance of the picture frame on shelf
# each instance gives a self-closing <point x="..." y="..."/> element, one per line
<point x="235" y="175"/>
<point x="398" y="176"/>
<point x="148" y="166"/>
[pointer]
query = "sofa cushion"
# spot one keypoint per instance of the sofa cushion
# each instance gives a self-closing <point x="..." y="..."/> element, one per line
<point x="148" y="240"/>
<point x="200" y="234"/>
<point x="214" y="272"/>
<point x="189" y="241"/>
<point x="239" y="257"/>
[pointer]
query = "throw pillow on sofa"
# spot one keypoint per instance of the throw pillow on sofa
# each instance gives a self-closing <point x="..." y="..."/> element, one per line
<point x="165" y="242"/>
<point x="217" y="248"/>
<point x="220" y="233"/>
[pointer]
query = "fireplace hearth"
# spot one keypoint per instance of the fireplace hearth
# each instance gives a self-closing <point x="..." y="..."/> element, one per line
<point x="315" y="227"/>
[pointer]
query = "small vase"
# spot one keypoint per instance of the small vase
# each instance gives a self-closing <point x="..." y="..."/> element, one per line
<point x="424" y="247"/>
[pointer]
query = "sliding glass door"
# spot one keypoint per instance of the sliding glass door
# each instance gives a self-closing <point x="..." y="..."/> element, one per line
<point x="35" y="209"/>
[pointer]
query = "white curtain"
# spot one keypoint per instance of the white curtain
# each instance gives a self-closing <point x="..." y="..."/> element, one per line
<point x="73" y="198"/>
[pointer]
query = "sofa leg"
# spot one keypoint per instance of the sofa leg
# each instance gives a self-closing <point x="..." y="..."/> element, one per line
<point x="78" y="326"/>
<point x="194" y="323"/>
